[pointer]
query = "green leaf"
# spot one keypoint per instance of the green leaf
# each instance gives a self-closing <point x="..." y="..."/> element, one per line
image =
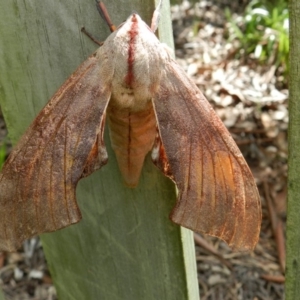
<point x="2" y="154"/>
<point x="125" y="247"/>
<point x="1" y="295"/>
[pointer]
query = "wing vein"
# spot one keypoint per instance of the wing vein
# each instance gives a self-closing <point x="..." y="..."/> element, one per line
<point x="67" y="86"/>
<point x="65" y="172"/>
<point x="50" y="192"/>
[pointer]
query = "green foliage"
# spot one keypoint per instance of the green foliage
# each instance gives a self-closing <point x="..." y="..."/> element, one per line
<point x="2" y="153"/>
<point x="262" y="32"/>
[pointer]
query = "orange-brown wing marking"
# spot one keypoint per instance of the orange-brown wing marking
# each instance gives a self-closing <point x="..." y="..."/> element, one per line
<point x="217" y="192"/>
<point x="38" y="181"/>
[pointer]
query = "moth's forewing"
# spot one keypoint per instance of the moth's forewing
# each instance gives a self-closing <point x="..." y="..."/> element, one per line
<point x="38" y="181"/>
<point x="217" y="191"/>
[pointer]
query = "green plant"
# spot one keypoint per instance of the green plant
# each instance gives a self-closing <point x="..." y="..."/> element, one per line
<point x="2" y="153"/>
<point x="262" y="32"/>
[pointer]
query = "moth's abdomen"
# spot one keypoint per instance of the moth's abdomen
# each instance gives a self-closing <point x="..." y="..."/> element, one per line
<point x="132" y="136"/>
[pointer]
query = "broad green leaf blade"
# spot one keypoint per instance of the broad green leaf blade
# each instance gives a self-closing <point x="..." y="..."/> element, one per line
<point x="1" y="295"/>
<point x="125" y="247"/>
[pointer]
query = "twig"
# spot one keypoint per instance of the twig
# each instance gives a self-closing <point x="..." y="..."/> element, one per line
<point x="273" y="278"/>
<point x="277" y="228"/>
<point x="203" y="243"/>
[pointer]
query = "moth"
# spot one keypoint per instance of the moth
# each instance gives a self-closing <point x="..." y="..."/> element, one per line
<point x="150" y="104"/>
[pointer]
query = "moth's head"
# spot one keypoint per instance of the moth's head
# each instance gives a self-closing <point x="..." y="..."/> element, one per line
<point x="134" y="30"/>
<point x="134" y="22"/>
<point x="134" y="18"/>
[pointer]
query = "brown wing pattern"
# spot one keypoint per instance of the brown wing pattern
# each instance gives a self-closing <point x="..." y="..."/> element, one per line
<point x="38" y="181"/>
<point x="217" y="192"/>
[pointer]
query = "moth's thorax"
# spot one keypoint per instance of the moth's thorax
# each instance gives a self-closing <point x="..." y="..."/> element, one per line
<point x="130" y="99"/>
<point x="137" y="64"/>
<point x="134" y="58"/>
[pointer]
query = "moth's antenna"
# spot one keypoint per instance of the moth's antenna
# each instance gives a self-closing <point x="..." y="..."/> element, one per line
<point x="156" y="16"/>
<point x="104" y="15"/>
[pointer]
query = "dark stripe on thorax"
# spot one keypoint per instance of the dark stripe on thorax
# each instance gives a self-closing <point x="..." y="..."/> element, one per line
<point x="131" y="51"/>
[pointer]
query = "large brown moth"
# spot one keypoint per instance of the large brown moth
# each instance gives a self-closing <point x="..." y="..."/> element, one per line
<point x="151" y="105"/>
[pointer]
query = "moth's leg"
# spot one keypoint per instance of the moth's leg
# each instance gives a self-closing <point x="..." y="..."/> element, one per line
<point x="156" y="16"/>
<point x="105" y="16"/>
<point x="91" y="37"/>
